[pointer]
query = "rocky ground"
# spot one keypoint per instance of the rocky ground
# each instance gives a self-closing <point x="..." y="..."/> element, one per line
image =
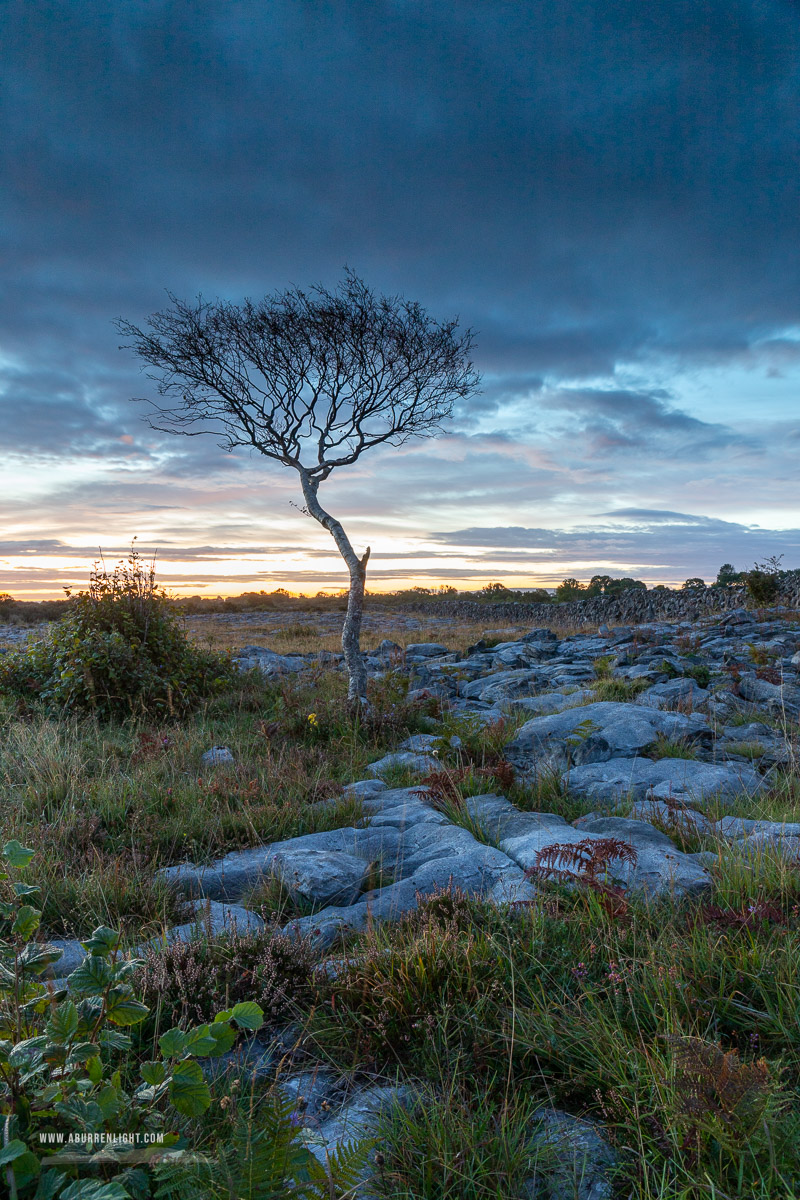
<point x="665" y="728"/>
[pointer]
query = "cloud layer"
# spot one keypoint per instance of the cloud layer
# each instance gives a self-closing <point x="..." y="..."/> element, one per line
<point x="606" y="191"/>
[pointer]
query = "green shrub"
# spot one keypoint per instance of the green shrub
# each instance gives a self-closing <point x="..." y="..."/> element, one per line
<point x="762" y="586"/>
<point x="57" y="1052"/>
<point x="701" y="674"/>
<point x="121" y="649"/>
<point x="68" y="1071"/>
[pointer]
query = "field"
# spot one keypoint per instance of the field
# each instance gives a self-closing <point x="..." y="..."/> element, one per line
<point x="674" y="1025"/>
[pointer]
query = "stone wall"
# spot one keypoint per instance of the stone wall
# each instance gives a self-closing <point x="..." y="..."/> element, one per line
<point x="633" y="607"/>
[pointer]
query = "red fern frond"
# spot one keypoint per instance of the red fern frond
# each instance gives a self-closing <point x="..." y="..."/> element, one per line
<point x="582" y="861"/>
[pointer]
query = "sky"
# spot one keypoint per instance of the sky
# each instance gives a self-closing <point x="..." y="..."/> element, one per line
<point x="605" y="191"/>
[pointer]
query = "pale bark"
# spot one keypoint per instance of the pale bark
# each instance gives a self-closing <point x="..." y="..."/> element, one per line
<point x="357" y="568"/>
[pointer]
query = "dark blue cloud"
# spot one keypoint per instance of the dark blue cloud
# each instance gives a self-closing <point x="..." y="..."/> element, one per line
<point x="596" y="187"/>
<point x="654" y="543"/>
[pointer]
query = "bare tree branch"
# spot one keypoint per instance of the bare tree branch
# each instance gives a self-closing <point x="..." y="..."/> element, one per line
<point x="311" y="379"/>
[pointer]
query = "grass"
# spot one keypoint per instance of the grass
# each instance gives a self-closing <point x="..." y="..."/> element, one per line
<point x="672" y="748"/>
<point x="750" y="749"/>
<point x="618" y="1020"/>
<point x="224" y="632"/>
<point x="106" y="805"/>
<point x="606" y="687"/>
<point x="676" y="1025"/>
<point x="618" y="689"/>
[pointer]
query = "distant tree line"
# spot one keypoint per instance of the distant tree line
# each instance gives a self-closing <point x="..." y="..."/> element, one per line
<point x="764" y="583"/>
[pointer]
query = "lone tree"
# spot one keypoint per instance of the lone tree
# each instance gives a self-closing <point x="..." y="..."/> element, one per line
<point x="311" y="379"/>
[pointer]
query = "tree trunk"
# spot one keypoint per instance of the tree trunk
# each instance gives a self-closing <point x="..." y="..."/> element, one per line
<point x="357" y="567"/>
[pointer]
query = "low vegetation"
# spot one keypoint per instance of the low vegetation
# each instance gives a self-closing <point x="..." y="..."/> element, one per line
<point x="120" y="650"/>
<point x="676" y="1025"/>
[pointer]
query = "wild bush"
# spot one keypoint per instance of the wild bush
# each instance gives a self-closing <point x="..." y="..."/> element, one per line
<point x="61" y="1053"/>
<point x="120" y="650"/>
<point x="75" y="1094"/>
<point x="185" y="980"/>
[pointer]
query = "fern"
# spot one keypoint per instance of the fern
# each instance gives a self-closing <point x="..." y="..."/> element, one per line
<point x="717" y="1094"/>
<point x="441" y="788"/>
<point x="345" y="1172"/>
<point x="267" y="1158"/>
<point x="586" y="863"/>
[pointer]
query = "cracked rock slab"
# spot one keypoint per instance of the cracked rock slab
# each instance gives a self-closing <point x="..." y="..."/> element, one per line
<point x="739" y="827"/>
<point x="596" y="733"/>
<point x="230" y="877"/>
<point x="687" y="779"/>
<point x="687" y="819"/>
<point x="550" y="702"/>
<point x="320" y="876"/>
<point x="437" y="858"/>
<point x="502" y="685"/>
<point x="660" y="868"/>
<point x="499" y="819"/>
<point x="683" y="692"/>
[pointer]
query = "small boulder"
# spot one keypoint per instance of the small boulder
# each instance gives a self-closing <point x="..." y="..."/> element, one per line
<point x="420" y="743"/>
<point x="406" y="760"/>
<point x="387" y="649"/>
<point x="425" y="650"/>
<point x="364" y="789"/>
<point x="72" y="955"/>
<point x="573" y="1159"/>
<point x="217" y="756"/>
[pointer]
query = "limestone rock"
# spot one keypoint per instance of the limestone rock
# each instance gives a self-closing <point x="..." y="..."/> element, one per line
<point x="683" y="692"/>
<point x="687" y="779"/>
<point x="268" y="662"/>
<point x="405" y="760"/>
<point x="598" y="732"/>
<point x="72" y="955"/>
<point x="217" y="756"/>
<point x="681" y="817"/>
<point x="425" y="650"/>
<point x="660" y="868"/>
<point x="420" y="743"/>
<point x="739" y="827"/>
<point x="550" y="702"/>
<point x="356" y="1120"/>
<point x="498" y="818"/>
<point x="574" y="1160"/>
<point x="311" y="1091"/>
<point x="253" y="1058"/>
<point x="320" y="876"/>
<point x="211" y="919"/>
<point x="364" y="788"/>
<point x="502" y="685"/>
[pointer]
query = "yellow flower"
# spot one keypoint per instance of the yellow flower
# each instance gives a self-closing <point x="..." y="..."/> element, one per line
<point x="312" y="720"/>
